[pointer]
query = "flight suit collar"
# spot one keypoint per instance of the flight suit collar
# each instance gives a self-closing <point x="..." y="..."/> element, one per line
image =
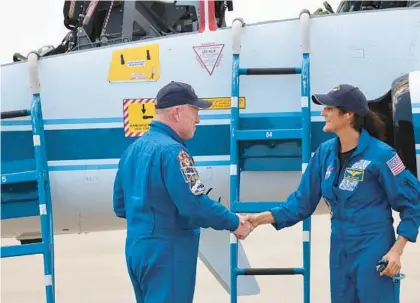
<point x="364" y="141"/>
<point x="163" y="128"/>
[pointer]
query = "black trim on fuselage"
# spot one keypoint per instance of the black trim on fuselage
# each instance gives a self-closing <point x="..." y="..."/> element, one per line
<point x="395" y="109"/>
<point x="403" y="122"/>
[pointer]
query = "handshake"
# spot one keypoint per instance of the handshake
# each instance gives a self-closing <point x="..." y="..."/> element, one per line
<point x="247" y="223"/>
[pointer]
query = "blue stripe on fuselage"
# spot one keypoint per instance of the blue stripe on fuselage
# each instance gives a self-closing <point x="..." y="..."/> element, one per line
<point x="109" y="143"/>
<point x="120" y="119"/>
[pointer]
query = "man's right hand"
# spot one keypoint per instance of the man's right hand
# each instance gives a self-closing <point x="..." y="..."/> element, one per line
<point x="244" y="228"/>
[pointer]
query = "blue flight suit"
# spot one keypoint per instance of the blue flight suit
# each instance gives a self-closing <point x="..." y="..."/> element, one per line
<point x="360" y="199"/>
<point x="159" y="192"/>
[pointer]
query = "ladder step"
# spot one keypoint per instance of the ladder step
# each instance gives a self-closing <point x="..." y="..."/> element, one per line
<point x="270" y="271"/>
<point x="253" y="207"/>
<point x="268" y="134"/>
<point x="15" y="114"/>
<point x="22" y="250"/>
<point x="19" y="177"/>
<point x="270" y="71"/>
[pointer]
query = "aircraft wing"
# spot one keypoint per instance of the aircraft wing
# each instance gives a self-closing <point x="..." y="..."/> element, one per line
<point x="214" y="252"/>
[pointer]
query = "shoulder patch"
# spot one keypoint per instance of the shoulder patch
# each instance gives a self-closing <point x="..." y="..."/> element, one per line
<point x="190" y="173"/>
<point x="185" y="159"/>
<point x="395" y="164"/>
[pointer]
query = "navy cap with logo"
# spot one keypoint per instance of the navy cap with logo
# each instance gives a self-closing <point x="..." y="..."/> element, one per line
<point x="345" y="96"/>
<point x="179" y="93"/>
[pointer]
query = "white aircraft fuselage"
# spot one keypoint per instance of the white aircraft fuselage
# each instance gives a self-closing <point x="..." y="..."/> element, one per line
<point x="85" y="121"/>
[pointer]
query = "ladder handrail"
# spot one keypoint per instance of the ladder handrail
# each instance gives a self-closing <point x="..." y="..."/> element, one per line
<point x="238" y="25"/>
<point x="44" y="194"/>
<point x="41" y="175"/>
<point x="306" y="142"/>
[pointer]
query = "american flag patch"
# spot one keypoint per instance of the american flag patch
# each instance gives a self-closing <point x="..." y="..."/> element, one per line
<point x="395" y="165"/>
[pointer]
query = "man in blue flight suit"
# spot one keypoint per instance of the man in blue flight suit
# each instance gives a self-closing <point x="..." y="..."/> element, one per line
<point x="361" y="179"/>
<point x="159" y="192"/>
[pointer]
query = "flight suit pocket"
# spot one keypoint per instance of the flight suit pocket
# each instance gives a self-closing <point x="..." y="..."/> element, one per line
<point x="409" y="183"/>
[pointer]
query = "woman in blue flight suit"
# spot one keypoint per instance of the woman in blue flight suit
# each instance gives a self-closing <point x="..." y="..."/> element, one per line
<point x="361" y="179"/>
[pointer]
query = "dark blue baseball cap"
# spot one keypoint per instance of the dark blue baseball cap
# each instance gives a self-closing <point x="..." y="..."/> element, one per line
<point x="345" y="96"/>
<point x="178" y="93"/>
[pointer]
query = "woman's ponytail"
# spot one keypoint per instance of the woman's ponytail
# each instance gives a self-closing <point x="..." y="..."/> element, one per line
<point x="372" y="122"/>
<point x="374" y="125"/>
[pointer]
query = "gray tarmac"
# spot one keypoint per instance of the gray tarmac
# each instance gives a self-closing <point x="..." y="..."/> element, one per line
<point x="91" y="268"/>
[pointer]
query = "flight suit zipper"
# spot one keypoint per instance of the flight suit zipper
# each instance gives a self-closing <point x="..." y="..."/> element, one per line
<point x="339" y="203"/>
<point x="341" y="171"/>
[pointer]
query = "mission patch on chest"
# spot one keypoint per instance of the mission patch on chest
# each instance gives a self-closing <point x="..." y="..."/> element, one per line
<point x="354" y="174"/>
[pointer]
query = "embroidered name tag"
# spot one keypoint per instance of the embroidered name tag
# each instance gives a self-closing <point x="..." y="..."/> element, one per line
<point x="354" y="174"/>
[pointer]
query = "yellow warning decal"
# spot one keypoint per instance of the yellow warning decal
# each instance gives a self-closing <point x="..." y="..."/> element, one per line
<point x="138" y="114"/>
<point x="220" y="103"/>
<point x="135" y="64"/>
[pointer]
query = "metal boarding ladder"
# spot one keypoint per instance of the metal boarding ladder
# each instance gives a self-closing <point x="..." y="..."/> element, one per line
<point x="268" y="134"/>
<point x="41" y="176"/>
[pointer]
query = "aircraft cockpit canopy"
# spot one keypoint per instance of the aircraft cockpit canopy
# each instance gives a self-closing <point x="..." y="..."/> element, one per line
<point x="100" y="23"/>
<point x="357" y="6"/>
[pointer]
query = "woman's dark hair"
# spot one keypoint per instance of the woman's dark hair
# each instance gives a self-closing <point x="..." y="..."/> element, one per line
<point x="372" y="122"/>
